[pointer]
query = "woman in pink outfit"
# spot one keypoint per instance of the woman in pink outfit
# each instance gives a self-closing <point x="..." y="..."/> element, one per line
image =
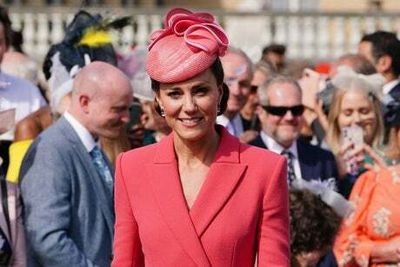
<point x="199" y="197"/>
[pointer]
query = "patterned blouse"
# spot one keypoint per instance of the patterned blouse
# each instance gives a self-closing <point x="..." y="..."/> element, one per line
<point x="376" y="219"/>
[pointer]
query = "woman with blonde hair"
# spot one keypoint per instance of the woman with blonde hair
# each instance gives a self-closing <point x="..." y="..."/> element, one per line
<point x="370" y="236"/>
<point x="355" y="104"/>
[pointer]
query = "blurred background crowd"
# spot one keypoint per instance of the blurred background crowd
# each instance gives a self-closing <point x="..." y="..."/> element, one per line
<point x="323" y="91"/>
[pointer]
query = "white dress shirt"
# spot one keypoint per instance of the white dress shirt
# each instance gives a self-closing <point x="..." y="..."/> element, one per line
<point x="387" y="87"/>
<point x="234" y="126"/>
<point x="273" y="146"/>
<point x="83" y="134"/>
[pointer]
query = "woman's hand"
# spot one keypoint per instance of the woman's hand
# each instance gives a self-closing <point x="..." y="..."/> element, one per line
<point x="378" y="164"/>
<point x="350" y="158"/>
<point x="310" y="87"/>
<point x="388" y="252"/>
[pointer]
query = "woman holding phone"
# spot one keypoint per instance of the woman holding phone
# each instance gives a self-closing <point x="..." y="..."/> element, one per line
<point x="354" y="118"/>
<point x="198" y="197"/>
<point x="370" y="236"/>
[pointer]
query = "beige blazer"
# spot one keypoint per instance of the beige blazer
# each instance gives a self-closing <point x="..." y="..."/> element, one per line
<point x="17" y="230"/>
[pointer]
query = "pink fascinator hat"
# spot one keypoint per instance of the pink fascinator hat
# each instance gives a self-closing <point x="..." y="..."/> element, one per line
<point x="188" y="45"/>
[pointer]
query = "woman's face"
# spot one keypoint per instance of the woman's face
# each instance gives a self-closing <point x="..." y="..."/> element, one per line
<point x="357" y="108"/>
<point x="150" y="119"/>
<point x="190" y="106"/>
<point x="251" y="104"/>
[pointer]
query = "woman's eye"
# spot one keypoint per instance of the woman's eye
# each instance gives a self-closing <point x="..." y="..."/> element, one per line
<point x="201" y="91"/>
<point x="365" y="111"/>
<point x="347" y="112"/>
<point x="173" y="94"/>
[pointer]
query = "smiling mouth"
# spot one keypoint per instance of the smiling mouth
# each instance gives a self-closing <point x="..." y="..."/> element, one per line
<point x="191" y="121"/>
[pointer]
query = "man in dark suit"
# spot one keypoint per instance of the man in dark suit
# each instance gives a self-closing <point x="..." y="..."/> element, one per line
<point x="382" y="49"/>
<point x="67" y="182"/>
<point x="280" y="113"/>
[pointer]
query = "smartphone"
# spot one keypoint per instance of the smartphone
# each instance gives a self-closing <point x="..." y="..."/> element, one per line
<point x="352" y="134"/>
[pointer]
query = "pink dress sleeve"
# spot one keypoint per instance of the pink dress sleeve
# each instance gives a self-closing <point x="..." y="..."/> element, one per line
<point x="273" y="246"/>
<point x="127" y="246"/>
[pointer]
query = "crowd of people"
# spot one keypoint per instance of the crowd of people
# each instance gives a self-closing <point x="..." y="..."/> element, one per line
<point x="188" y="153"/>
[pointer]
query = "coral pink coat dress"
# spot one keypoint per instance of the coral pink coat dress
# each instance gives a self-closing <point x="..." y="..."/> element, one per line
<point x="239" y="216"/>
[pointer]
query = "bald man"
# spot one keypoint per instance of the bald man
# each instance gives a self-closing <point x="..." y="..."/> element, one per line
<point x="66" y="181"/>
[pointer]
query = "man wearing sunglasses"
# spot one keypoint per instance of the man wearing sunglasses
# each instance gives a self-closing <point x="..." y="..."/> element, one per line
<point x="280" y="113"/>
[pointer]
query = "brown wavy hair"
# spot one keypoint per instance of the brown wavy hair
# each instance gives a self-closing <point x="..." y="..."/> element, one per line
<point x="313" y="224"/>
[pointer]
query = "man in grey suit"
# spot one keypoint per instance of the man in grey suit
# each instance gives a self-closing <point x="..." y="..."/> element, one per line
<point x="66" y="181"/>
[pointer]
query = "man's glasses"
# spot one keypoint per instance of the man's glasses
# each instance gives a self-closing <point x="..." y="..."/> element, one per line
<point x="281" y="111"/>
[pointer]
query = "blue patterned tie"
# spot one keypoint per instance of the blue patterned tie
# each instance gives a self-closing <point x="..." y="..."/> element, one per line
<point x="290" y="168"/>
<point x="102" y="168"/>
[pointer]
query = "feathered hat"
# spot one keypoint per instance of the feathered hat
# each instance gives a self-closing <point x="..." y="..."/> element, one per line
<point x="86" y="39"/>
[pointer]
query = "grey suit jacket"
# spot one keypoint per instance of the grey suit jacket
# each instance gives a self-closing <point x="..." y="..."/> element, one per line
<point x="68" y="213"/>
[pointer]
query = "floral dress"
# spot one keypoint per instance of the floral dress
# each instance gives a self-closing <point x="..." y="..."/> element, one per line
<point x="376" y="219"/>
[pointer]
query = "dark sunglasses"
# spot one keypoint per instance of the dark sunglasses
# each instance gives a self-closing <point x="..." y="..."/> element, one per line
<point x="281" y="111"/>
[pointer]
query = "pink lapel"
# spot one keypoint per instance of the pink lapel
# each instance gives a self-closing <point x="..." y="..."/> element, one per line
<point x="224" y="175"/>
<point x="168" y="192"/>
